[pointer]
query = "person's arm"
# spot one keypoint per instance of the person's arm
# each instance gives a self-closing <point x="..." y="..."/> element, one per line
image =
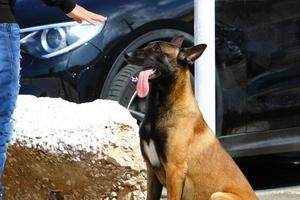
<point x="66" y="5"/>
<point x="75" y="11"/>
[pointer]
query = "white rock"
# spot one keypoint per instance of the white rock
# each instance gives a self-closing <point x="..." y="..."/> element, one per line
<point x="60" y="145"/>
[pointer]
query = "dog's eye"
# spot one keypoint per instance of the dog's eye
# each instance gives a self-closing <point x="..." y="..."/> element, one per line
<point x="156" y="48"/>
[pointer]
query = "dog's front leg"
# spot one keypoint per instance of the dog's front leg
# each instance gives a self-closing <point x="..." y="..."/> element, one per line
<point x="176" y="175"/>
<point x="154" y="187"/>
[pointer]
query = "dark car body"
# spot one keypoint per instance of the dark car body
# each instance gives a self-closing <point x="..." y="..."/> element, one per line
<point x="258" y="67"/>
<point x="257" y="51"/>
<point x="79" y="75"/>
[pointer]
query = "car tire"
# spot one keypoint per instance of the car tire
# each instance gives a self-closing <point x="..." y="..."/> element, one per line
<point x="122" y="88"/>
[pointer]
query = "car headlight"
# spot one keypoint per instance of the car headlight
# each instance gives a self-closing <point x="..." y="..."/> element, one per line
<point x="51" y="40"/>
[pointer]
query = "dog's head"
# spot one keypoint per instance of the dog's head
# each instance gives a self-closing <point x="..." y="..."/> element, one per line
<point x="162" y="59"/>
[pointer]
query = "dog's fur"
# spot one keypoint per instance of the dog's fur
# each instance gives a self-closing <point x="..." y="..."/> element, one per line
<point x="179" y="148"/>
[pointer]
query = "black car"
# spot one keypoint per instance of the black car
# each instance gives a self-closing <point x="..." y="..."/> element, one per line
<point x="257" y="51"/>
<point x="78" y="63"/>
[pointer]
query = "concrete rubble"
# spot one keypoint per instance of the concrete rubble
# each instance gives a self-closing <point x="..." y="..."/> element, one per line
<point x="67" y="151"/>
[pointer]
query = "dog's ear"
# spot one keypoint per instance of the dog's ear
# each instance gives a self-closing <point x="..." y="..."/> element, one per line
<point x="190" y="54"/>
<point x="177" y="40"/>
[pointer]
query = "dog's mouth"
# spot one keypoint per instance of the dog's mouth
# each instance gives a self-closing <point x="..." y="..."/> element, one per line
<point x="144" y="76"/>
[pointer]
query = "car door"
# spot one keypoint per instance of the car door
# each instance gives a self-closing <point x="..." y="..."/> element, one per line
<point x="272" y="46"/>
<point x="260" y="64"/>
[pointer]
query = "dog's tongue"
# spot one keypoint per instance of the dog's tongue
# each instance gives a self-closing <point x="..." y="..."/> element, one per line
<point x="142" y="86"/>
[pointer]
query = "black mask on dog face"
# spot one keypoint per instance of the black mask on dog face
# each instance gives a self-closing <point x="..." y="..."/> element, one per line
<point x="161" y="59"/>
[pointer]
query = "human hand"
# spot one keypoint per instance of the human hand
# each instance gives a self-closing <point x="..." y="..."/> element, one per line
<point x="80" y="14"/>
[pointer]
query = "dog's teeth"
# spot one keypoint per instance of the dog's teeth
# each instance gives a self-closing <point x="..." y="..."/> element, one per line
<point x="134" y="79"/>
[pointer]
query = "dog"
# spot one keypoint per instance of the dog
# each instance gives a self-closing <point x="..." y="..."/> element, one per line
<point x="180" y="150"/>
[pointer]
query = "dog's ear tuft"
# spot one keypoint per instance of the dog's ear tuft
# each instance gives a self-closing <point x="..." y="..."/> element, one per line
<point x="191" y="54"/>
<point x="177" y="40"/>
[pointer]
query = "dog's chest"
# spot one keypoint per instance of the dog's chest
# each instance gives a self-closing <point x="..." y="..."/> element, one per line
<point x="153" y="144"/>
<point x="150" y="152"/>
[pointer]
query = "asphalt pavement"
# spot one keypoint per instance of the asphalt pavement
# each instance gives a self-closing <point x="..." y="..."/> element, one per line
<point x="283" y="193"/>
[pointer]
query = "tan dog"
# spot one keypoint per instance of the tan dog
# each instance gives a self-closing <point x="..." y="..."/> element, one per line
<point x="180" y="150"/>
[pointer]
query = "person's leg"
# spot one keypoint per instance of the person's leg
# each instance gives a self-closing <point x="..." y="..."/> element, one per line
<point x="9" y="85"/>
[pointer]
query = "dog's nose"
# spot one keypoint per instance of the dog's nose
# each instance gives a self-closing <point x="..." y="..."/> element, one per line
<point x="127" y="55"/>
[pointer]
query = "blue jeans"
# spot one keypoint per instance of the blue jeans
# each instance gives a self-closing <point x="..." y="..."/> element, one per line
<point x="9" y="84"/>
